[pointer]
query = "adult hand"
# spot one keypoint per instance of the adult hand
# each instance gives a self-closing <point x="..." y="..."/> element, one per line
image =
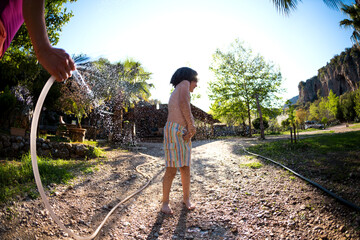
<point x="57" y="62"/>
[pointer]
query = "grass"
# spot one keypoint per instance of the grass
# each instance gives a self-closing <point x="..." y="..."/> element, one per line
<point x="355" y="126"/>
<point x="338" y="143"/>
<point x="253" y="165"/>
<point x="91" y="143"/>
<point x="332" y="159"/>
<point x="96" y="152"/>
<point x="17" y="179"/>
<point x="287" y="132"/>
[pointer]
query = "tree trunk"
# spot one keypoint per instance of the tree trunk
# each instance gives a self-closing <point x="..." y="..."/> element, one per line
<point x="121" y="121"/>
<point x="294" y="132"/>
<point x="298" y="135"/>
<point x="249" y="116"/>
<point x="117" y="119"/>
<point x="291" y="137"/>
<point x="262" y="134"/>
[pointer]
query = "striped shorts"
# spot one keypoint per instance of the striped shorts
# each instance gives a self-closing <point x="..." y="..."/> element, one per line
<point x="177" y="151"/>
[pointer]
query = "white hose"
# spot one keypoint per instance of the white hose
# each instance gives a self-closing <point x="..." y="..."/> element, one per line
<point x="34" y="125"/>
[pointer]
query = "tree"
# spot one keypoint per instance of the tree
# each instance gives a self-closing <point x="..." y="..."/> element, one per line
<point x="357" y="103"/>
<point x="122" y="84"/>
<point x="75" y="100"/>
<point x="333" y="104"/>
<point x="291" y="112"/>
<point x="323" y="108"/>
<point x="286" y="6"/>
<point x="241" y="76"/>
<point x="314" y="110"/>
<point x="301" y="115"/>
<point x="230" y="112"/>
<point x="353" y="11"/>
<point x="347" y="106"/>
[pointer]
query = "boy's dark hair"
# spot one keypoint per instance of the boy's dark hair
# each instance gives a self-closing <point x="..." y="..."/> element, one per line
<point x="184" y="73"/>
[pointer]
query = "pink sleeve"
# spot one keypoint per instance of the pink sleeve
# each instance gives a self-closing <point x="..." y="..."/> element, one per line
<point x="12" y="19"/>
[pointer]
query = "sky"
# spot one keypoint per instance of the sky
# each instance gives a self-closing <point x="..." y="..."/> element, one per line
<point x="164" y="35"/>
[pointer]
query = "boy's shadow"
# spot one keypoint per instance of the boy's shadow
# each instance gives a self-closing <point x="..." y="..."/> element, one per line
<point x="180" y="228"/>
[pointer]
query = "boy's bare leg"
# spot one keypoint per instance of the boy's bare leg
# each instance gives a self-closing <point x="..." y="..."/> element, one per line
<point x="185" y="180"/>
<point x="167" y="182"/>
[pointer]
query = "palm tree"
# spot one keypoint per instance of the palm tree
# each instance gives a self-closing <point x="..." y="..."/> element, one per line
<point x="286" y="6"/>
<point x="353" y="11"/>
<point x="132" y="87"/>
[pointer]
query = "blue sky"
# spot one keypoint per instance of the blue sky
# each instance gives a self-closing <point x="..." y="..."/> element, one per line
<point x="164" y="35"/>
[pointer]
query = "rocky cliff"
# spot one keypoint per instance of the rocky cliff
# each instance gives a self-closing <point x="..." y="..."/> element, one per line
<point x="341" y="75"/>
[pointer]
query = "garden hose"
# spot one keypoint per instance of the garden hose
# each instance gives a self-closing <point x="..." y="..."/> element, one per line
<point x="34" y="126"/>
<point x="340" y="199"/>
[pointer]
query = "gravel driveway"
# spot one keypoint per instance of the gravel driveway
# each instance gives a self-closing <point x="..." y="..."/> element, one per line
<point x="233" y="201"/>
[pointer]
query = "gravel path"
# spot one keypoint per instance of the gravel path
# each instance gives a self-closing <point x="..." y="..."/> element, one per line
<point x="233" y="201"/>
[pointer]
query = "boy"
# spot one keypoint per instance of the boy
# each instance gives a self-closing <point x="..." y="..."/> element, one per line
<point x="178" y="131"/>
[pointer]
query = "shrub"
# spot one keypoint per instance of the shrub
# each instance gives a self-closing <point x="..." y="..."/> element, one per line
<point x="324" y="121"/>
<point x="256" y="123"/>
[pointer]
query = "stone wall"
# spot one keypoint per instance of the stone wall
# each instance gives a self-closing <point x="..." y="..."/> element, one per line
<point x="16" y="146"/>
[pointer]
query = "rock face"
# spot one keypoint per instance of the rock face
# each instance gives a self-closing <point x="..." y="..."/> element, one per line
<point x="341" y="75"/>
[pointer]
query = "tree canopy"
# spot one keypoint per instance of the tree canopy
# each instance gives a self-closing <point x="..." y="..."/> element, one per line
<point x="286" y="6"/>
<point x="353" y="11"/>
<point x="240" y="77"/>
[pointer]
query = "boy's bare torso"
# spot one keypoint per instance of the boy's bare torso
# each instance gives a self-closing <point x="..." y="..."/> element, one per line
<point x="179" y="105"/>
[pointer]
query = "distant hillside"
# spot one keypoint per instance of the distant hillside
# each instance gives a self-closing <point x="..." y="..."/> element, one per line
<point x="341" y="75"/>
<point x="292" y="100"/>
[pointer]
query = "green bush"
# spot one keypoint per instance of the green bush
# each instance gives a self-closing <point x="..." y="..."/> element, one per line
<point x="324" y="121"/>
<point x="256" y="123"/>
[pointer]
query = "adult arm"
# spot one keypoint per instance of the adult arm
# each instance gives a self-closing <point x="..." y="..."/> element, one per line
<point x="185" y="108"/>
<point x="56" y="61"/>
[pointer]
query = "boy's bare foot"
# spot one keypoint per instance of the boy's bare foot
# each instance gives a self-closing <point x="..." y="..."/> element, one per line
<point x="165" y="208"/>
<point x="189" y="205"/>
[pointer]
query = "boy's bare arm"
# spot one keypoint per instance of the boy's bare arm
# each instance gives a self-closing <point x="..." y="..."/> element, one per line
<point x="186" y="109"/>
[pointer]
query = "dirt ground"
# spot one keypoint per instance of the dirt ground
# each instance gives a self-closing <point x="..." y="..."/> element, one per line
<point x="233" y="201"/>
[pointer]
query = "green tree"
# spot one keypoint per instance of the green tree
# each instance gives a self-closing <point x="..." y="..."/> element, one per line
<point x="123" y="84"/>
<point x="301" y="115"/>
<point x="353" y="11"/>
<point x="347" y="106"/>
<point x="357" y="104"/>
<point x="230" y="112"/>
<point x="314" y="111"/>
<point x="241" y="76"/>
<point x="333" y="104"/>
<point x="323" y="108"/>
